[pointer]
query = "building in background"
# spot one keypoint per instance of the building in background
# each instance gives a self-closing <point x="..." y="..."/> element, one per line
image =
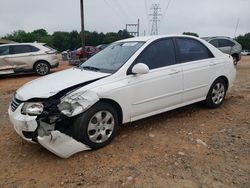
<point x="4" y="41"/>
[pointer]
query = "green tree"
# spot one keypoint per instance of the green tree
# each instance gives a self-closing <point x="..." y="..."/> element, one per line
<point x="40" y="32"/>
<point x="66" y="40"/>
<point x="244" y="40"/>
<point x="61" y="40"/>
<point x="74" y="40"/>
<point x="191" y="34"/>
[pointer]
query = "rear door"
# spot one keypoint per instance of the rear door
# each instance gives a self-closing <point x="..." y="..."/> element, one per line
<point x="198" y="68"/>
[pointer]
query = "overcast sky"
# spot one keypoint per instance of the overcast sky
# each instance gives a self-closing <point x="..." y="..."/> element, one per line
<point x="205" y="17"/>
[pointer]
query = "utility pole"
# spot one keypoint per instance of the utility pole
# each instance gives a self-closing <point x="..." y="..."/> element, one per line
<point x="156" y="8"/>
<point x="133" y="26"/>
<point x="82" y="27"/>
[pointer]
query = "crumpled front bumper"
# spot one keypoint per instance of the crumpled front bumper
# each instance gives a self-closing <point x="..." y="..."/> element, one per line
<point x="58" y="143"/>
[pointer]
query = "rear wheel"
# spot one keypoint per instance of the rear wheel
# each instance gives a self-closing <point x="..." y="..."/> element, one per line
<point x="97" y="126"/>
<point x="42" y="68"/>
<point x="216" y="94"/>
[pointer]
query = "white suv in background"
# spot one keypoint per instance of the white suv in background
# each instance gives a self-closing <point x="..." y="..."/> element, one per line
<point x="27" y="57"/>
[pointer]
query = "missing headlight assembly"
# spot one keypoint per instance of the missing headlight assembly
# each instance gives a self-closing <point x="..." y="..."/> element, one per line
<point x="76" y="104"/>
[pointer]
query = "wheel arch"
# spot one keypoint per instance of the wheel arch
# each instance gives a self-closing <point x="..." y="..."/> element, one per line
<point x="41" y="60"/>
<point x="225" y="79"/>
<point x="236" y="55"/>
<point x="117" y="107"/>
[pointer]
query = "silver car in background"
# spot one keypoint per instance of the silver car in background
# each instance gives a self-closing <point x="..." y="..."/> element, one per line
<point x="227" y="46"/>
<point x="27" y="57"/>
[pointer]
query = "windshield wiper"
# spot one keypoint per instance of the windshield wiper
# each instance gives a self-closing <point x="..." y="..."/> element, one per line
<point x="90" y="68"/>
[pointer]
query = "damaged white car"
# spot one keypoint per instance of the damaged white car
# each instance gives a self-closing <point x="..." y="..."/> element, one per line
<point x="82" y="107"/>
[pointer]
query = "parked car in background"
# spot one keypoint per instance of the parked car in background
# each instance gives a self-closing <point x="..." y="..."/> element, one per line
<point x="87" y="53"/>
<point x="27" y="57"/>
<point x="226" y="45"/>
<point x="245" y="52"/>
<point x="81" y="108"/>
<point x="101" y="47"/>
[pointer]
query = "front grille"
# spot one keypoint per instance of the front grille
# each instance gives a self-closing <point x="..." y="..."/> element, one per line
<point x="14" y="104"/>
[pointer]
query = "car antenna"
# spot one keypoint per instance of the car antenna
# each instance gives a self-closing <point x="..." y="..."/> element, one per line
<point x="235" y="31"/>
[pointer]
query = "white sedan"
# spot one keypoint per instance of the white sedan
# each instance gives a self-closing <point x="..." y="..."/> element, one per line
<point x="81" y="108"/>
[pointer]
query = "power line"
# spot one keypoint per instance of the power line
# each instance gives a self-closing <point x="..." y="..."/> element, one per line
<point x="116" y="11"/>
<point x="156" y="8"/>
<point x="166" y="9"/>
<point x="120" y="8"/>
<point x="146" y="7"/>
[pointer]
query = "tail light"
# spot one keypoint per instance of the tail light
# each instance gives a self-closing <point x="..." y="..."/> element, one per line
<point x="51" y="52"/>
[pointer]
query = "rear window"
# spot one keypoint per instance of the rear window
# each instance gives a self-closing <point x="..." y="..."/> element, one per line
<point x="225" y="43"/>
<point x="45" y="45"/>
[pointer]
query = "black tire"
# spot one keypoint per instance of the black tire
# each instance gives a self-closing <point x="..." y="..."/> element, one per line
<point x="42" y="68"/>
<point x="235" y="59"/>
<point x="216" y="94"/>
<point x="83" y="132"/>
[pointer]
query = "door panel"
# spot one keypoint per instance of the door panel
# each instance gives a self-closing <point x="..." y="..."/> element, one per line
<point x="21" y="58"/>
<point x="157" y="90"/>
<point x="162" y="87"/>
<point x="197" y="76"/>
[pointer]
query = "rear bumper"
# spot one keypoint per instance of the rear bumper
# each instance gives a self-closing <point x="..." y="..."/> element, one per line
<point x="54" y="64"/>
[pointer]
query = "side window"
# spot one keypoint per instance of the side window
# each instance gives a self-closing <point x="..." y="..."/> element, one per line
<point x="215" y="43"/>
<point x="20" y="49"/>
<point x="225" y="43"/>
<point x="192" y="50"/>
<point x="33" y="49"/>
<point x="5" y="50"/>
<point x="159" y="54"/>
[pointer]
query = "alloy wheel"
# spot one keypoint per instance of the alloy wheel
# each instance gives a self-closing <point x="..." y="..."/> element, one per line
<point x="101" y="126"/>
<point x="218" y="93"/>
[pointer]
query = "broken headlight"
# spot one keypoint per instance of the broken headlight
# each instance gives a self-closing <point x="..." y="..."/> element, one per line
<point x="77" y="103"/>
<point x="32" y="108"/>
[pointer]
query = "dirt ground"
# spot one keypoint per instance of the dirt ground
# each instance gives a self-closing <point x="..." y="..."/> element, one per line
<point x="188" y="147"/>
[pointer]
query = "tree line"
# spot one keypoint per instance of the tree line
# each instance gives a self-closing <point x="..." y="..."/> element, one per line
<point x="61" y="40"/>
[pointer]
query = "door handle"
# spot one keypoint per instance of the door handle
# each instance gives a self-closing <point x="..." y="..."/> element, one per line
<point x="174" y="71"/>
<point x="212" y="64"/>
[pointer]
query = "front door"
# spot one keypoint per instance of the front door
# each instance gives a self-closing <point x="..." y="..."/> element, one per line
<point x="5" y="66"/>
<point x="161" y="88"/>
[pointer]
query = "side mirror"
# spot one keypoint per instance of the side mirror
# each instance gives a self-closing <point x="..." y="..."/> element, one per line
<point x="140" y="68"/>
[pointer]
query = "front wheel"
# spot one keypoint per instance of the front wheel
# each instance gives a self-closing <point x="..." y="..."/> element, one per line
<point x="97" y="126"/>
<point x="216" y="94"/>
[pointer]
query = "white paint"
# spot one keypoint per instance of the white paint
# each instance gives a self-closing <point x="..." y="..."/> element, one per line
<point x="62" y="145"/>
<point x="47" y="86"/>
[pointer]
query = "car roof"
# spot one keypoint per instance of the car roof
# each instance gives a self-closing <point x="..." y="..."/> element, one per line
<point x="216" y="37"/>
<point x="153" y="37"/>
<point x="26" y="43"/>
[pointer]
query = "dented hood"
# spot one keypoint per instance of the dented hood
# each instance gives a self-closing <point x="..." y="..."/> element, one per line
<point x="50" y="85"/>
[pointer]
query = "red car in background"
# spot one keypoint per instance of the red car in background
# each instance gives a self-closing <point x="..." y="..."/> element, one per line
<point x="88" y="52"/>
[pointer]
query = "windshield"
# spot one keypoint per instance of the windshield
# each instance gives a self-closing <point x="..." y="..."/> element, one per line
<point x="111" y="58"/>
